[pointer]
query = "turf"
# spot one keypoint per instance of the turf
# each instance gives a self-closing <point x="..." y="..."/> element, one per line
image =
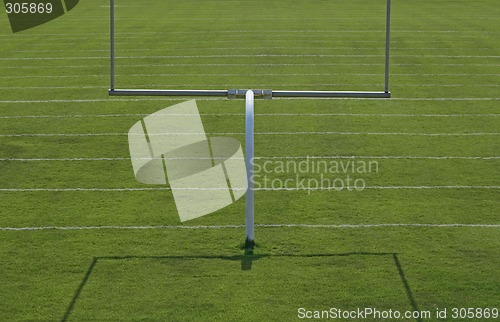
<point x="436" y="143"/>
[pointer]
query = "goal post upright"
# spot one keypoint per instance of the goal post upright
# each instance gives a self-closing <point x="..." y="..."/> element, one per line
<point x="387" y="45"/>
<point x="112" y="45"/>
<point x="249" y="95"/>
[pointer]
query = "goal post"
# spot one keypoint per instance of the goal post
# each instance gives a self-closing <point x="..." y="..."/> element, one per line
<point x="114" y="91"/>
<point x="249" y="95"/>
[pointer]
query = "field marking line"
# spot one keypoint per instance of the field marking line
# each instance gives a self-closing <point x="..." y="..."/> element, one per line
<point x="33" y="135"/>
<point x="382" y="157"/>
<point x="238" y="64"/>
<point x="236" y="74"/>
<point x="17" y="190"/>
<point x="339" y="157"/>
<point x="254" y="31"/>
<point x="237" y="85"/>
<point x="236" y="41"/>
<point x="451" y="99"/>
<point x="365" y="18"/>
<point x="180" y="227"/>
<point x="242" y="114"/>
<point x="244" y="56"/>
<point x="248" y="48"/>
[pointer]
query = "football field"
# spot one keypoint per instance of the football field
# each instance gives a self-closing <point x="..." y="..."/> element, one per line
<point x="388" y="207"/>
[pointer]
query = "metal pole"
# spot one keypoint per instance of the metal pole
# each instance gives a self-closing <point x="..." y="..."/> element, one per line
<point x="159" y="92"/>
<point x="112" y="43"/>
<point x="387" y="44"/>
<point x="331" y="94"/>
<point x="249" y="159"/>
<point x="242" y="93"/>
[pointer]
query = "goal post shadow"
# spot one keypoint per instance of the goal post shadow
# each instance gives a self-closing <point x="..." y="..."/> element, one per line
<point x="332" y="262"/>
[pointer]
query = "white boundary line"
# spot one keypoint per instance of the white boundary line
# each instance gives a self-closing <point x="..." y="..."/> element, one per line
<point x="242" y="114"/>
<point x="242" y="56"/>
<point x="379" y="157"/>
<point x="236" y="74"/>
<point x="16" y="190"/>
<point x="79" y="36"/>
<point x="279" y="31"/>
<point x="250" y="48"/>
<point x="236" y="41"/>
<point x="308" y="32"/>
<point x="237" y="85"/>
<point x="324" y="226"/>
<point x="237" y="64"/>
<point x="318" y="35"/>
<point x="339" y="157"/>
<point x="451" y="99"/>
<point x="104" y="88"/>
<point x="242" y="133"/>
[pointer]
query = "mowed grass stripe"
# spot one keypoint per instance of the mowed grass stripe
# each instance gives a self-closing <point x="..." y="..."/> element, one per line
<point x="376" y="171"/>
<point x="401" y="205"/>
<point x="268" y="145"/>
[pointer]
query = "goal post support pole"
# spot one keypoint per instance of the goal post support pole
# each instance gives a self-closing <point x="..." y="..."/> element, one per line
<point x="249" y="163"/>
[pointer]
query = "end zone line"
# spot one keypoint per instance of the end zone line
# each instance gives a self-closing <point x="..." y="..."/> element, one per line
<point x="336" y="189"/>
<point x="242" y="114"/>
<point x="33" y="135"/>
<point x="340" y="226"/>
<point x="339" y="157"/>
<point x="223" y="98"/>
<point x="238" y="56"/>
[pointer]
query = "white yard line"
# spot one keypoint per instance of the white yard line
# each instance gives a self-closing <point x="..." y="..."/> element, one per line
<point x="253" y="31"/>
<point x="24" y="190"/>
<point x="256" y="133"/>
<point x="243" y="56"/>
<point x="338" y="157"/>
<point x="239" y="74"/>
<point x="382" y="157"/>
<point x="128" y="99"/>
<point x="247" y="48"/>
<point x="104" y="88"/>
<point x="274" y="41"/>
<point x="24" y="66"/>
<point x="311" y="226"/>
<point x="237" y="85"/>
<point x="242" y="114"/>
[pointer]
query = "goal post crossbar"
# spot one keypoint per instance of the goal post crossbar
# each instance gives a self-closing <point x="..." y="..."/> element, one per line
<point x="258" y="93"/>
<point x="269" y="94"/>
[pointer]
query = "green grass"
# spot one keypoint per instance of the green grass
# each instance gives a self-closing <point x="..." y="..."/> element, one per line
<point x="445" y="69"/>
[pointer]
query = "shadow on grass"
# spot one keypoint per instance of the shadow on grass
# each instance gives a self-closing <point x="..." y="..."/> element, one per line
<point x="246" y="264"/>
